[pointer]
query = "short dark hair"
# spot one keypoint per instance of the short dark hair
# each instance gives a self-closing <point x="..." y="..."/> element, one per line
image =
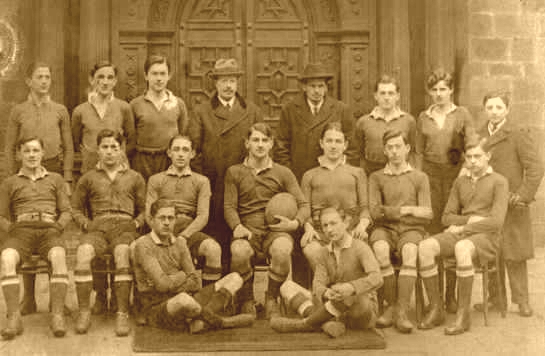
<point x="35" y="65"/>
<point x="160" y="204"/>
<point x="104" y="133"/>
<point x="156" y="59"/>
<point x="502" y="94"/>
<point x="438" y="75"/>
<point x="335" y="126"/>
<point x="333" y="208"/>
<point x="174" y="138"/>
<point x="262" y="127"/>
<point x="21" y="142"/>
<point x="474" y="141"/>
<point x="387" y="79"/>
<point x="102" y="64"/>
<point x="393" y="133"/>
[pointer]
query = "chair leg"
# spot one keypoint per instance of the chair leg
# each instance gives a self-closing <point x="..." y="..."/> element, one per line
<point x="485" y="293"/>
<point x="500" y="276"/>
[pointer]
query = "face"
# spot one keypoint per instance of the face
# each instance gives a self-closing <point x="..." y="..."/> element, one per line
<point x="477" y="160"/>
<point x="315" y="90"/>
<point x="333" y="226"/>
<point x="31" y="153"/>
<point x="396" y="150"/>
<point x="104" y="81"/>
<point x="387" y="96"/>
<point x="109" y="151"/>
<point x="259" y="145"/>
<point x="157" y="77"/>
<point x="40" y="82"/>
<point x="333" y="144"/>
<point x="181" y="153"/>
<point x="496" y="110"/>
<point x="227" y="87"/>
<point x="163" y="222"/>
<point x="441" y="93"/>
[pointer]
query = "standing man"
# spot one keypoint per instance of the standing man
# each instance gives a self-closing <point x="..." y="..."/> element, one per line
<point x="42" y="117"/>
<point x="248" y="188"/>
<point x="386" y="115"/>
<point x="113" y="195"/>
<point x="474" y="214"/>
<point x="158" y="116"/>
<point x="515" y="155"/>
<point x="302" y="122"/>
<point x="190" y="192"/>
<point x="399" y="202"/>
<point x="217" y="131"/>
<point x="34" y="209"/>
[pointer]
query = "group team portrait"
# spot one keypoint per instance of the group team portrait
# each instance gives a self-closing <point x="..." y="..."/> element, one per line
<point x="259" y="176"/>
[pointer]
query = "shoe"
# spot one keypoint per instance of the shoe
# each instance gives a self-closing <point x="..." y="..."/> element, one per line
<point x="28" y="306"/>
<point x="272" y="308"/>
<point x="386" y="319"/>
<point x="493" y="305"/>
<point x="14" y="326"/>
<point x="463" y="314"/>
<point x="83" y="321"/>
<point x="288" y="325"/>
<point x="197" y="326"/>
<point x="525" y="310"/>
<point x="237" y="321"/>
<point x="249" y="307"/>
<point x="333" y="328"/>
<point x="451" y="306"/>
<point x="433" y="318"/>
<point x="58" y="325"/>
<point x="122" y="327"/>
<point x="101" y="304"/>
<point x="402" y="323"/>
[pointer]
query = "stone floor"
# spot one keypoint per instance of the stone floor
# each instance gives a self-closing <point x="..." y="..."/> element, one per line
<point x="510" y="336"/>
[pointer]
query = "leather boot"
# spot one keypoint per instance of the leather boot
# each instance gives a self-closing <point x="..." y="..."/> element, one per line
<point x="14" y="326"/>
<point x="405" y="289"/>
<point x="389" y="291"/>
<point x="436" y="315"/>
<point x="450" y="292"/>
<point x="313" y="322"/>
<point x="463" y="314"/>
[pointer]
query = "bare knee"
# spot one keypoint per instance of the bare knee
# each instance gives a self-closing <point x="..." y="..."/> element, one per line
<point x="312" y="253"/>
<point x="57" y="256"/>
<point x="281" y="248"/>
<point x="10" y="258"/>
<point x="409" y="254"/>
<point x="84" y="254"/>
<point x="382" y="252"/>
<point x="464" y="251"/>
<point x="427" y="251"/>
<point x="121" y="256"/>
<point x="241" y="251"/>
<point x="210" y="249"/>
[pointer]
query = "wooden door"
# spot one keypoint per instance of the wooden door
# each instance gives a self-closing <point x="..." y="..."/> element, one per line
<point x="271" y="41"/>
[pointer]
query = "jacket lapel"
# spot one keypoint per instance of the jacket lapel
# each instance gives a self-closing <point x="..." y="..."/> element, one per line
<point x="306" y="118"/>
<point x="502" y="134"/>
<point x="233" y="117"/>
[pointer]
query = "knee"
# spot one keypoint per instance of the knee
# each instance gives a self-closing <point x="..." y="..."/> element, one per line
<point x="427" y="250"/>
<point x="210" y="249"/>
<point x="382" y="252"/>
<point x="281" y="248"/>
<point x="241" y="250"/>
<point x="463" y="249"/>
<point x="312" y="251"/>
<point x="409" y="253"/>
<point x="121" y="255"/>
<point x="10" y="257"/>
<point x="85" y="253"/>
<point x="57" y="254"/>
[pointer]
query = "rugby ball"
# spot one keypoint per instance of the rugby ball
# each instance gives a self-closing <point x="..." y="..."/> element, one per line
<point x="283" y="204"/>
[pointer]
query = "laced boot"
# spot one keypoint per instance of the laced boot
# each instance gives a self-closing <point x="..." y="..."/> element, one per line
<point x="389" y="290"/>
<point x="436" y="315"/>
<point x="463" y="314"/>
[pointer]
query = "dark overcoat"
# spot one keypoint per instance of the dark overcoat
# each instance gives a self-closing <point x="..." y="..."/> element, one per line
<point x="219" y="135"/>
<point x="515" y="155"/>
<point x="299" y="131"/>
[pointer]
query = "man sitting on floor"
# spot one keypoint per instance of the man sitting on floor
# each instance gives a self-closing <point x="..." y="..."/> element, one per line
<point x="34" y="209"/>
<point x="170" y="288"/>
<point x="248" y="188"/>
<point x="345" y="280"/>
<point x="109" y="204"/>
<point x="474" y="214"/>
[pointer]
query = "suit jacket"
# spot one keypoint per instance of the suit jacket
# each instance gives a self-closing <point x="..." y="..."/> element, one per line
<point x="299" y="131"/>
<point x="516" y="157"/>
<point x="218" y="135"/>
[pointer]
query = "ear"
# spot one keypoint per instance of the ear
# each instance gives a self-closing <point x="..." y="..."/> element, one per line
<point x="28" y="81"/>
<point x="246" y="144"/>
<point x="192" y="154"/>
<point x="92" y="81"/>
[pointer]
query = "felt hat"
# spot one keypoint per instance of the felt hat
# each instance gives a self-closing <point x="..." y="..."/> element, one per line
<point x="226" y="66"/>
<point x="315" y="71"/>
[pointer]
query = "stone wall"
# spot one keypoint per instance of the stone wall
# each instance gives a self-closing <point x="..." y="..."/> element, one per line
<point x="506" y="50"/>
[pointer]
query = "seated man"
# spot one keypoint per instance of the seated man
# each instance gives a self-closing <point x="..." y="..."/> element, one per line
<point x="399" y="201"/>
<point x="191" y="193"/>
<point x="168" y="285"/>
<point x="34" y="209"/>
<point x="474" y="214"/>
<point x="248" y="188"/>
<point x="345" y="280"/>
<point x="113" y="195"/>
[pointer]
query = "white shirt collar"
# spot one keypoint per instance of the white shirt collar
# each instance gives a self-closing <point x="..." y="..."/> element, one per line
<point x="155" y="238"/>
<point x="377" y="113"/>
<point x="388" y="170"/>
<point x="269" y="165"/>
<point x="231" y="101"/>
<point x="467" y="173"/>
<point x="171" y="171"/>
<point x="312" y="105"/>
<point x="492" y="129"/>
<point x="324" y="163"/>
<point x="41" y="173"/>
<point x="430" y="111"/>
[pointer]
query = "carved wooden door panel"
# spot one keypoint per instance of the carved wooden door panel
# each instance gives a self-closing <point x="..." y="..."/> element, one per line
<point x="269" y="38"/>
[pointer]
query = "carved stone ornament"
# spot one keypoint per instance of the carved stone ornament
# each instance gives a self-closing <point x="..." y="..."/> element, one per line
<point x="9" y="47"/>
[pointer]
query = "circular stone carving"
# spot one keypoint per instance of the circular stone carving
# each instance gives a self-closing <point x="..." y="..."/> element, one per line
<point x="9" y="47"/>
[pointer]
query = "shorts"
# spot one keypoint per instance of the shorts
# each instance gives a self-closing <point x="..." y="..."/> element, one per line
<point x="104" y="234"/>
<point x="394" y="239"/>
<point x="485" y="246"/>
<point x="193" y="242"/>
<point x="30" y="237"/>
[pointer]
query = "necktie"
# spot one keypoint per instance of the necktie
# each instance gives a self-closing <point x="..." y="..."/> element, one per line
<point x="314" y="110"/>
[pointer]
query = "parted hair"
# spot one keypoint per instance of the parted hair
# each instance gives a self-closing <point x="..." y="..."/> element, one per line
<point x="502" y="94"/>
<point x="174" y="138"/>
<point x="102" y="64"/>
<point x="333" y="125"/>
<point x="102" y="134"/>
<point x="387" y="79"/>
<point x="23" y="140"/>
<point x="333" y="209"/>
<point x="160" y="204"/>
<point x="262" y="127"/>
<point x="35" y="65"/>
<point x="474" y="141"/>
<point x="156" y="59"/>
<point x="438" y="75"/>
<point x="393" y="133"/>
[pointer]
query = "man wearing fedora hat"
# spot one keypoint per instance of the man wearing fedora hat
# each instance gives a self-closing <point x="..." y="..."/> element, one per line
<point x="218" y="129"/>
<point x="299" y="131"/>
